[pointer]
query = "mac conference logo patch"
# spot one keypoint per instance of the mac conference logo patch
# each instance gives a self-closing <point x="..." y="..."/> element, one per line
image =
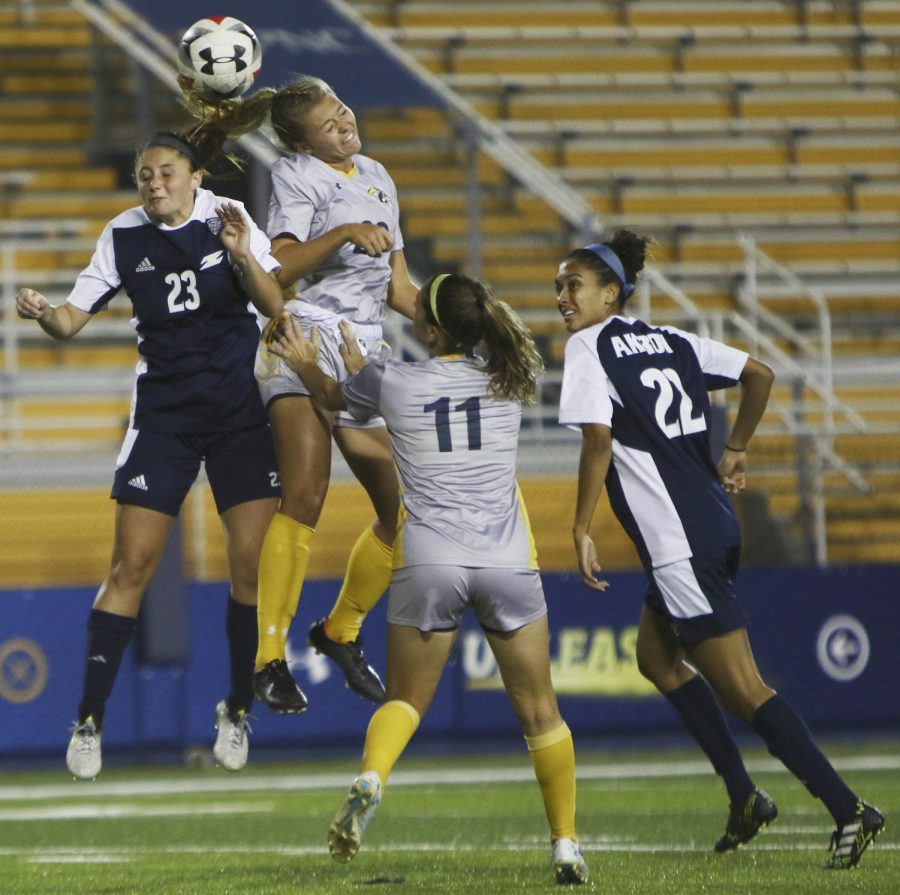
<point x="843" y="648"/>
<point x="23" y="670"/>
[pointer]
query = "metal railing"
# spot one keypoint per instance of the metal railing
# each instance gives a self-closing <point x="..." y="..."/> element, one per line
<point x="809" y="368"/>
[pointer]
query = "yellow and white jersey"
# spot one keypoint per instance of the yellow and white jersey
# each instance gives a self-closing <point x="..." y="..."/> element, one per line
<point x="310" y="198"/>
<point x="455" y="446"/>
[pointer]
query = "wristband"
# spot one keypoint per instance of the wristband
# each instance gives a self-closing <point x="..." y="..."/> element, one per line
<point x="728" y="447"/>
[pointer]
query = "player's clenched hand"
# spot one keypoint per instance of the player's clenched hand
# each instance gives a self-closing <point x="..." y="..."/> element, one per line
<point x="30" y="304"/>
<point x="351" y="354"/>
<point x="288" y="342"/>
<point x="587" y="563"/>
<point x="371" y="238"/>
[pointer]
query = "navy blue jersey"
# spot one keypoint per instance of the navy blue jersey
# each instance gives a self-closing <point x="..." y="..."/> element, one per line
<point x="649" y="385"/>
<point x="197" y="332"/>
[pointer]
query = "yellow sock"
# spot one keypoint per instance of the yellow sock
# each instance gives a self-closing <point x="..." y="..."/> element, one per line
<point x="553" y="755"/>
<point x="390" y="729"/>
<point x="366" y="579"/>
<point x="282" y="568"/>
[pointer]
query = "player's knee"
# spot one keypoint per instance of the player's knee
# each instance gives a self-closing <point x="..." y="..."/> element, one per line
<point x="133" y="572"/>
<point x="304" y="504"/>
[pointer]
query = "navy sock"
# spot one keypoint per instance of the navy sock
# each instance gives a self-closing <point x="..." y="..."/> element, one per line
<point x="789" y="740"/>
<point x="241" y="627"/>
<point x="108" y="636"/>
<point x="700" y="712"/>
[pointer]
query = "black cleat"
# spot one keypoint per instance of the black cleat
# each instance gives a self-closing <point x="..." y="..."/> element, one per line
<point x="745" y="821"/>
<point x="361" y="678"/>
<point x="273" y="686"/>
<point x="848" y="842"/>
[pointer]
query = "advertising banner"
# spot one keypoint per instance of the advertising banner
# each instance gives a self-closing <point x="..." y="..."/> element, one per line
<point x="826" y="640"/>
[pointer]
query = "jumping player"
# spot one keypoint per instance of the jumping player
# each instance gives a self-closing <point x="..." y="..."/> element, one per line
<point x="464" y="541"/>
<point x="334" y="224"/>
<point x="638" y="393"/>
<point x="191" y="263"/>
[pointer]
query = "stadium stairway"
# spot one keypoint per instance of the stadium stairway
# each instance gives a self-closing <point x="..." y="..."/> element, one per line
<point x="694" y="123"/>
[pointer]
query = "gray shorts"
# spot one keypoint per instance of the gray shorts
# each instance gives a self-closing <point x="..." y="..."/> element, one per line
<point x="275" y="379"/>
<point x="433" y="598"/>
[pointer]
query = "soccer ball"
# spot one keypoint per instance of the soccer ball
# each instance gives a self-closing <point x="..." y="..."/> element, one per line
<point x="219" y="57"/>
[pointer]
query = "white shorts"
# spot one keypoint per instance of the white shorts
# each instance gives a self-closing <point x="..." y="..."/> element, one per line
<point x="433" y="598"/>
<point x="275" y="378"/>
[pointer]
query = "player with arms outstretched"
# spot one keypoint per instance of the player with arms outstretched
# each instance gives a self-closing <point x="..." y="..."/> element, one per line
<point x="191" y="263"/>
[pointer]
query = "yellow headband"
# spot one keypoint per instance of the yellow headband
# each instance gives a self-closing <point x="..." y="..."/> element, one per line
<point x="432" y="296"/>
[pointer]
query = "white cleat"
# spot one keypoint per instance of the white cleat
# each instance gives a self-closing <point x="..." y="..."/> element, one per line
<point x="568" y="863"/>
<point x="232" y="739"/>
<point x="83" y="756"/>
<point x="345" y="832"/>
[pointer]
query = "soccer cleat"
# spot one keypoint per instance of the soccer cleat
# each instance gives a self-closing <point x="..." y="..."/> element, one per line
<point x="232" y="739"/>
<point x="273" y="686"/>
<point x="850" y="841"/>
<point x="568" y="863"/>
<point x="745" y="821"/>
<point x="354" y="815"/>
<point x="361" y="678"/>
<point x="83" y="756"/>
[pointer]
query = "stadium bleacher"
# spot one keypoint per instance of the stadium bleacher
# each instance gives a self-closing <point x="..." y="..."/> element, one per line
<point x="692" y="122"/>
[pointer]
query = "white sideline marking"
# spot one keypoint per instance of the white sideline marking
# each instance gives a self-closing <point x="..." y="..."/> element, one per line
<point x="248" y="782"/>
<point x="61" y="855"/>
<point x="78" y="859"/>
<point x="105" y="811"/>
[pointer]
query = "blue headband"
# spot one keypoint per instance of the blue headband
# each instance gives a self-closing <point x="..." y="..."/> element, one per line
<point x="611" y="259"/>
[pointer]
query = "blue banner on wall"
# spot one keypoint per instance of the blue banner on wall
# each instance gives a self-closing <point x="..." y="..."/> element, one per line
<point x="827" y="640"/>
<point x="307" y="38"/>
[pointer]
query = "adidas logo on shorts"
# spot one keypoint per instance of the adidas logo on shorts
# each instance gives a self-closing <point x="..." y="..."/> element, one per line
<point x="139" y="482"/>
<point x="144" y="267"/>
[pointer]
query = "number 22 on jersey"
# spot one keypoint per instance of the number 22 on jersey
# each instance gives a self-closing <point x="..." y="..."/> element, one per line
<point x="668" y="383"/>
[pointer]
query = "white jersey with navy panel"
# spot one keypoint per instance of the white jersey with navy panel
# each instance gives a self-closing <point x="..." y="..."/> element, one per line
<point x="650" y="385"/>
<point x="310" y="198"/>
<point x="455" y="446"/>
<point x="197" y="331"/>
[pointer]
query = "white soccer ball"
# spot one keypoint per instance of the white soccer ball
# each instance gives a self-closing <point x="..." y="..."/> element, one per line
<point x="219" y="57"/>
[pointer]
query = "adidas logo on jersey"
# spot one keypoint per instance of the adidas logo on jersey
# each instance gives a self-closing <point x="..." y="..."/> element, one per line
<point x="139" y="482"/>
<point x="144" y="266"/>
<point x="211" y="260"/>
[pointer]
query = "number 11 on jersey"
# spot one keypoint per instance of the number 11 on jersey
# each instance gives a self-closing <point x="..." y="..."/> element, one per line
<point x="441" y="410"/>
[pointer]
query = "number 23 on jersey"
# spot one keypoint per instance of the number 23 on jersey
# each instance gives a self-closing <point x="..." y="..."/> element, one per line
<point x="183" y="294"/>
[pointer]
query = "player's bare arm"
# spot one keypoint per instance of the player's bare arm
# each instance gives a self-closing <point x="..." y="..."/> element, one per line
<point x="261" y="287"/>
<point x="298" y="259"/>
<point x="756" y="383"/>
<point x="596" y="454"/>
<point x="59" y="321"/>
<point x="402" y="291"/>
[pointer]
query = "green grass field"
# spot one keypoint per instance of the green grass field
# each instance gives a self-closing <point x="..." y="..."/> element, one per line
<point x="647" y="822"/>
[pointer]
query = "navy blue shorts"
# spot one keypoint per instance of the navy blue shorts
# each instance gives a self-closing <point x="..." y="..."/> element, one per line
<point x="156" y="469"/>
<point x="697" y="596"/>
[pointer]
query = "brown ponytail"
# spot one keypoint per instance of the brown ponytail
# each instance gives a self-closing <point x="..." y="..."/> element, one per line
<point x="472" y="317"/>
